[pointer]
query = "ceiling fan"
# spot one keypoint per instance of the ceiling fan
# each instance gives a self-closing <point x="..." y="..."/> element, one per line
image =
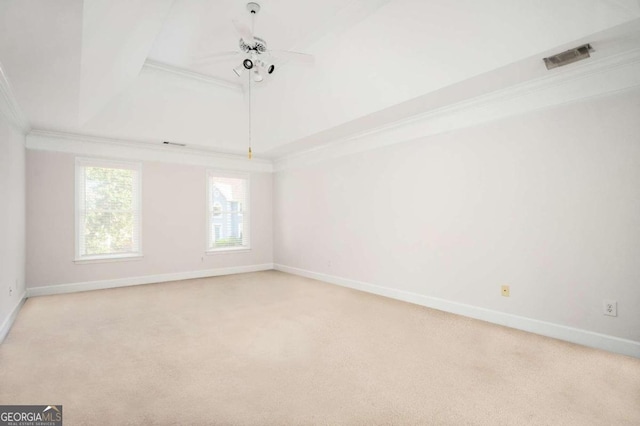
<point x="256" y="57"/>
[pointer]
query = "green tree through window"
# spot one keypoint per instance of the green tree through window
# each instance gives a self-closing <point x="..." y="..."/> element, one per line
<point x="109" y="219"/>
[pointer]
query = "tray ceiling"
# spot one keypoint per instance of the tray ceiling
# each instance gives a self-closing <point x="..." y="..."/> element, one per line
<point x="126" y="69"/>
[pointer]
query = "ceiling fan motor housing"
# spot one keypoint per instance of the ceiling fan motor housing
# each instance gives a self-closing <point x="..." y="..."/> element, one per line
<point x="258" y="45"/>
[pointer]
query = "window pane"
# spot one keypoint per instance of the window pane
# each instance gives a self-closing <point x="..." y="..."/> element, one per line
<point x="109" y="188"/>
<point x="109" y="232"/>
<point x="108" y="222"/>
<point x="228" y="219"/>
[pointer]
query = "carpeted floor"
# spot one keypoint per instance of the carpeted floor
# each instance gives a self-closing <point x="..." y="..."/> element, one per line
<point x="270" y="348"/>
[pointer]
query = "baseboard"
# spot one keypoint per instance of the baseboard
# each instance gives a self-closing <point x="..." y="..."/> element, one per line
<point x="8" y="322"/>
<point x="557" y="331"/>
<point x="147" y="279"/>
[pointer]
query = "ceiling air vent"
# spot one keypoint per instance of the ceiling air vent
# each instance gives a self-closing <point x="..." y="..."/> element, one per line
<point x="568" y="57"/>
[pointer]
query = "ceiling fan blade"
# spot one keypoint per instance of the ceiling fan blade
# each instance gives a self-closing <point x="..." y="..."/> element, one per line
<point x="243" y="31"/>
<point x="293" y="56"/>
<point x="213" y="57"/>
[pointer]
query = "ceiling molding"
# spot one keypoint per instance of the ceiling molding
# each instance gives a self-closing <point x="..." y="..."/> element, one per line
<point x="583" y="81"/>
<point x="116" y="38"/>
<point x="9" y="106"/>
<point x="191" y="75"/>
<point x="70" y="143"/>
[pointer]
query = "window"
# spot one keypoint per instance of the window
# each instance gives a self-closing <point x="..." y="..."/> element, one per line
<point x="228" y="211"/>
<point x="107" y="209"/>
<point x="217" y="209"/>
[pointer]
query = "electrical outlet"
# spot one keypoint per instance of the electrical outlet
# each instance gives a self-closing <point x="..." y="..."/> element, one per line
<point x="610" y="307"/>
<point x="505" y="290"/>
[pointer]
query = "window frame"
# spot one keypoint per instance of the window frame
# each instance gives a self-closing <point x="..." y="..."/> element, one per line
<point x="81" y="162"/>
<point x="246" y="212"/>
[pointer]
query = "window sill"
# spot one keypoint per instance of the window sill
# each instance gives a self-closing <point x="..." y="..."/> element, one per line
<point x="107" y="259"/>
<point x="227" y="250"/>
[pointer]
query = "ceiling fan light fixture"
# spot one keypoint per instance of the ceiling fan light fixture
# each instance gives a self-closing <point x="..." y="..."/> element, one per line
<point x="271" y="69"/>
<point x="247" y="63"/>
<point x="257" y="77"/>
<point x="238" y="71"/>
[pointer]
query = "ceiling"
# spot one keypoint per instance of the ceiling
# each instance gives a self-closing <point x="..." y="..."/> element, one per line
<point x="130" y="69"/>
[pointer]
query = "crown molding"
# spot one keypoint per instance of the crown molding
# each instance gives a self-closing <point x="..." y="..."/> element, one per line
<point x="71" y="143"/>
<point x="590" y="79"/>
<point x="9" y="106"/>
<point x="191" y="75"/>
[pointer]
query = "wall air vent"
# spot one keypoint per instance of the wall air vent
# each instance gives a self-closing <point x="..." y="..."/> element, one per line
<point x="568" y="57"/>
<point x="174" y="143"/>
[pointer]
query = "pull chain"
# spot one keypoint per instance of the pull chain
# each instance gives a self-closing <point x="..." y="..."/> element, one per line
<point x="250" y="153"/>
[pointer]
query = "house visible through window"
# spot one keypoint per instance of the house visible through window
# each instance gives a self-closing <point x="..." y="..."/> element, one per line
<point x="107" y="209"/>
<point x="228" y="218"/>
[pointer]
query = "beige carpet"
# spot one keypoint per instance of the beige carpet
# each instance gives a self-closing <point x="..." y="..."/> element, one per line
<point x="270" y="348"/>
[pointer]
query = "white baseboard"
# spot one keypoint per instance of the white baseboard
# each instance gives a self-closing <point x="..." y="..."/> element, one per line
<point x="147" y="279"/>
<point x="8" y="322"/>
<point x="557" y="331"/>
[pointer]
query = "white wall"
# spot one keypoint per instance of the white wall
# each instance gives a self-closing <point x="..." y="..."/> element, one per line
<point x="173" y="224"/>
<point x="548" y="203"/>
<point x="12" y="222"/>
